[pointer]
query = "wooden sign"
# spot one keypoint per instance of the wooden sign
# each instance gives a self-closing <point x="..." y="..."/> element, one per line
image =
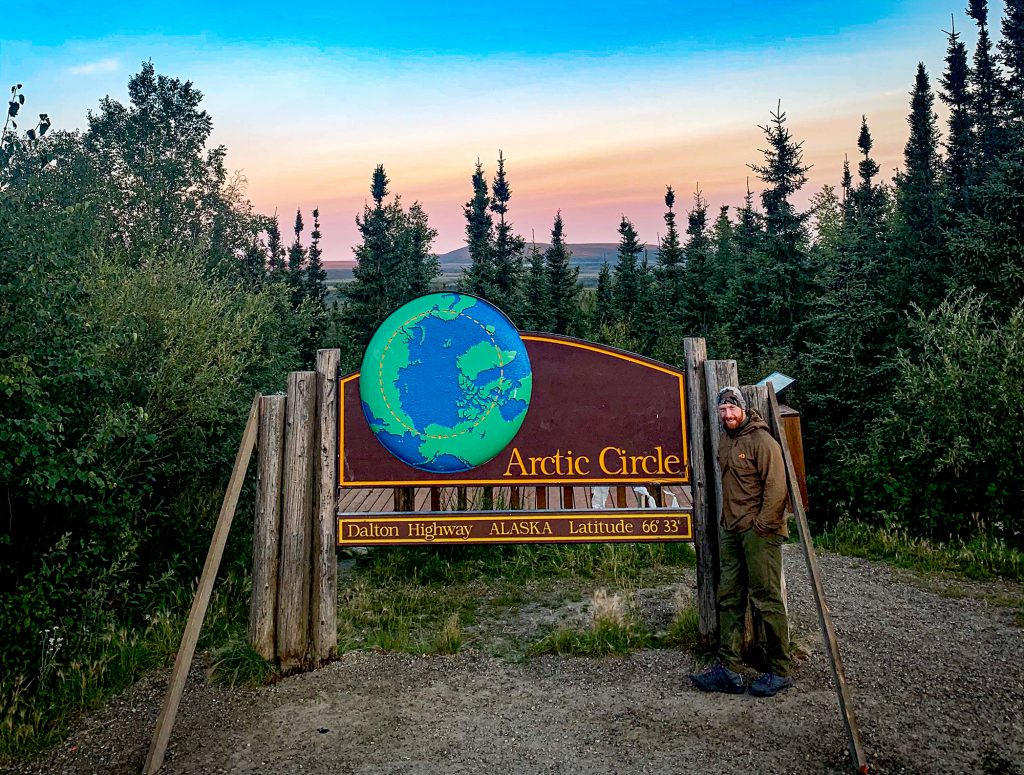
<point x="494" y="527"/>
<point x="596" y="415"/>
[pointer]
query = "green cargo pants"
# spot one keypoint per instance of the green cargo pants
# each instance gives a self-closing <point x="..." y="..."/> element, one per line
<point x="751" y="567"/>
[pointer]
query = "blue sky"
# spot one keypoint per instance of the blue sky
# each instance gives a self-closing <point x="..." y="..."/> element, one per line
<point x="597" y="106"/>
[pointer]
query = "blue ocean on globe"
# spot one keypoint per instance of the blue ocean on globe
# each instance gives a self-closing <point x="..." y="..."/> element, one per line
<point x="446" y="382"/>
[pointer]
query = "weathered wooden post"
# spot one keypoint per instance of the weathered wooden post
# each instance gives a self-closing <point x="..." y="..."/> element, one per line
<point x="267" y="526"/>
<point x="323" y="624"/>
<point x="719" y="374"/>
<point x="296" y="522"/>
<point x="705" y="523"/>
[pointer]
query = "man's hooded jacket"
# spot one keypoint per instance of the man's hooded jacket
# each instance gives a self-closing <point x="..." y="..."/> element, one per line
<point x="753" y="479"/>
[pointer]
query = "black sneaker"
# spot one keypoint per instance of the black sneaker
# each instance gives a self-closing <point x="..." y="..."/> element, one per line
<point x="770" y="684"/>
<point x="718" y="678"/>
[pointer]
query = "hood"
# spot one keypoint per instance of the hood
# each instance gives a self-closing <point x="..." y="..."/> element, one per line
<point x="753" y="423"/>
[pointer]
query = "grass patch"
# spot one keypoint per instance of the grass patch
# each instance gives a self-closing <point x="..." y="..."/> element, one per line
<point x="981" y="558"/>
<point x="420" y="599"/>
<point x="518" y="563"/>
<point x="612" y="631"/>
<point x="36" y="713"/>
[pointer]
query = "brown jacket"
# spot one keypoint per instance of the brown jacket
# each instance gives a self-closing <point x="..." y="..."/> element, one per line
<point x="753" y="479"/>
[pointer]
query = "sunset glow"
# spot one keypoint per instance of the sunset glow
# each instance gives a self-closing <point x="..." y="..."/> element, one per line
<point x="596" y="109"/>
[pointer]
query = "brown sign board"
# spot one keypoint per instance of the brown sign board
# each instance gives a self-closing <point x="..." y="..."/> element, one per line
<point x="495" y="527"/>
<point x="597" y="416"/>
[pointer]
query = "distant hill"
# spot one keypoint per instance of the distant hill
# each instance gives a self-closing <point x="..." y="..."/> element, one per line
<point x="588" y="256"/>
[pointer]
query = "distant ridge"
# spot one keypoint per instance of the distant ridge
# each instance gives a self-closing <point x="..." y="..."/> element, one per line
<point x="588" y="256"/>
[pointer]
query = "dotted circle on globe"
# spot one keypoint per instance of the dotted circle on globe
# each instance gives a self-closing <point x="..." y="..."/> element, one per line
<point x="445" y="382"/>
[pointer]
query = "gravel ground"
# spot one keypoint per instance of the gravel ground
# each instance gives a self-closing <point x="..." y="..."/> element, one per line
<point x="936" y="672"/>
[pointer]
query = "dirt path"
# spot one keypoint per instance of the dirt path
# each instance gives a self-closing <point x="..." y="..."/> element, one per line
<point x="937" y="679"/>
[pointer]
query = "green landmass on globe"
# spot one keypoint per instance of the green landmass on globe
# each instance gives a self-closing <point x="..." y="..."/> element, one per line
<point x="445" y="382"/>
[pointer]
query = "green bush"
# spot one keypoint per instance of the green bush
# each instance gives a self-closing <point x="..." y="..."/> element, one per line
<point x="945" y="458"/>
<point x="125" y="387"/>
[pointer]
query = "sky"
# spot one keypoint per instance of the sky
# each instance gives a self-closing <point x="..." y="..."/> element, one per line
<point x="596" y="106"/>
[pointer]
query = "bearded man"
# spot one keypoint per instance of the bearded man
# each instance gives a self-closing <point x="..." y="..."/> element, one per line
<point x="753" y="529"/>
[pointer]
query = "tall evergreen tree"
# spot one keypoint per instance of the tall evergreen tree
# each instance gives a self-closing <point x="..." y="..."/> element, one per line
<point x="868" y="197"/>
<point x="314" y="276"/>
<point x="296" y="263"/>
<point x="537" y="301"/>
<point x="670" y="268"/>
<point x="721" y="270"/>
<point x="696" y="278"/>
<point x="920" y="253"/>
<point x="1011" y="56"/>
<point x="959" y="137"/>
<point x="275" y="249"/>
<point x="988" y="248"/>
<point x="508" y="246"/>
<point x="775" y="323"/>
<point x="986" y="89"/>
<point x="394" y="261"/>
<point x="563" y="280"/>
<point x="627" y="286"/>
<point x="478" y="278"/>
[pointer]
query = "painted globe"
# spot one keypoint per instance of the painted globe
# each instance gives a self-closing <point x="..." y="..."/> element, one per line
<point x="445" y="382"/>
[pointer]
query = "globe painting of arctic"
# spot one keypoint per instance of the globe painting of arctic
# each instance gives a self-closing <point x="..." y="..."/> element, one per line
<point x="445" y="382"/>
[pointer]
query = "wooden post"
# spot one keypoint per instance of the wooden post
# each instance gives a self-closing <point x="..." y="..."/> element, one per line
<point x="435" y="498"/>
<point x="187" y="649"/>
<point x="856" y="747"/>
<point x="267" y="526"/>
<point x="323" y="608"/>
<point x="461" y="499"/>
<point x="293" y="591"/>
<point x="705" y="522"/>
<point x="404" y="498"/>
<point x="620" y="497"/>
<point x="719" y="374"/>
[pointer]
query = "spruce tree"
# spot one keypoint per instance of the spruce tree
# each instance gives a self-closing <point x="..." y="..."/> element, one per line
<point x="1011" y="56"/>
<point x="721" y="269"/>
<point x="744" y="295"/>
<point x="773" y="323"/>
<point x="985" y="92"/>
<point x="604" y="301"/>
<point x="508" y="247"/>
<point x="394" y="261"/>
<point x="868" y="197"/>
<point x="414" y="241"/>
<point x="296" y="262"/>
<point x="696" y="278"/>
<point x="275" y="249"/>
<point x="626" y="288"/>
<point x="959" y="137"/>
<point x="315" y="278"/>
<point x="670" y="270"/>
<point x="562" y="280"/>
<point x="478" y="277"/>
<point x="920" y="254"/>
<point x="537" y="301"/>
